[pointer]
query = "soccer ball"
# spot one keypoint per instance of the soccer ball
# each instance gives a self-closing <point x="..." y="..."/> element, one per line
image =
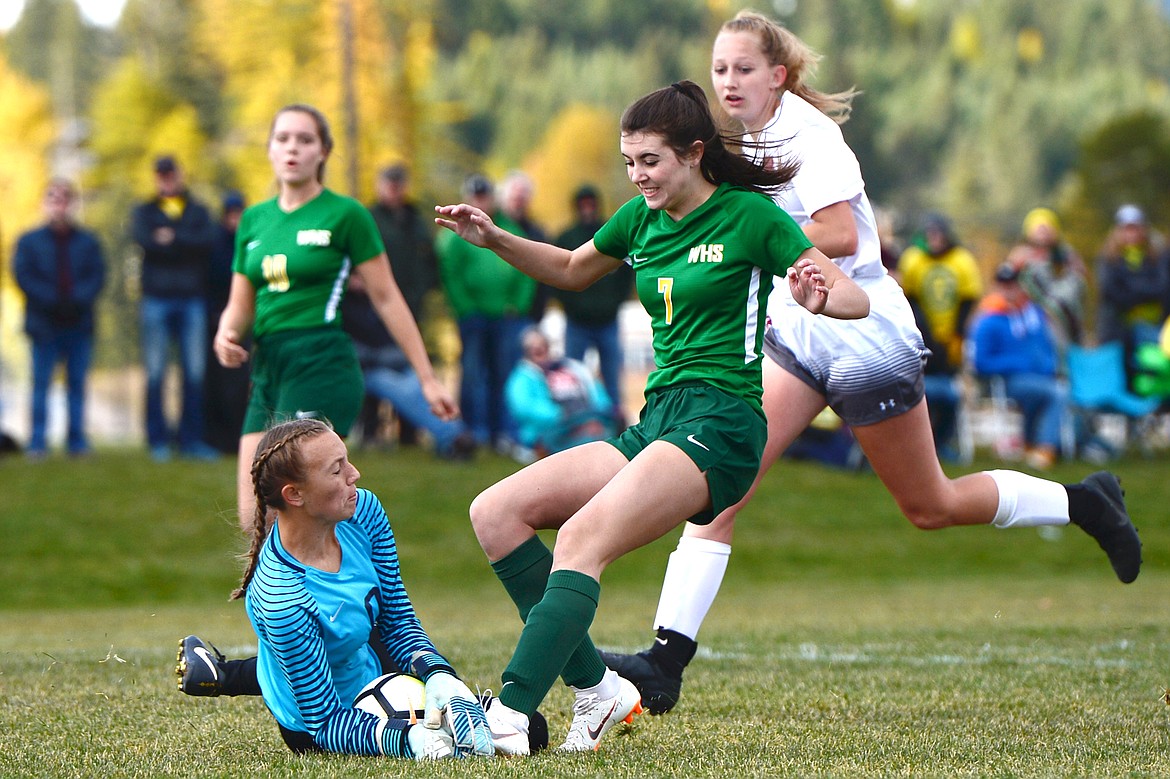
<point x="393" y="696"/>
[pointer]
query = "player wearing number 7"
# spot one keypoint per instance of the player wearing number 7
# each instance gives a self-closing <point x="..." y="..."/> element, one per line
<point x="293" y="256"/>
<point x="704" y="240"/>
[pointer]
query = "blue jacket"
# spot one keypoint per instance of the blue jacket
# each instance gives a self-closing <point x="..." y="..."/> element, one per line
<point x="35" y="266"/>
<point x="1007" y="341"/>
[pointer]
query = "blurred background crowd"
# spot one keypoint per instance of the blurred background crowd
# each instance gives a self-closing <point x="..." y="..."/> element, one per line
<point x="1019" y="154"/>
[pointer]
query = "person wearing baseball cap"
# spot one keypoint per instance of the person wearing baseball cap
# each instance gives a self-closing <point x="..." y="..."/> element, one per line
<point x="1053" y="274"/>
<point x="176" y="234"/>
<point x="490" y="300"/>
<point x="1012" y="341"/>
<point x="1133" y="276"/>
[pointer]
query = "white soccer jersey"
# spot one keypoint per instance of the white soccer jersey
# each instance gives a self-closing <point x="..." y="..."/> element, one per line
<point x="829" y="173"/>
<point x="854" y="363"/>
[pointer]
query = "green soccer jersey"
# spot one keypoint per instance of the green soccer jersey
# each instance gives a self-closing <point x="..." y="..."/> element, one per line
<point x="705" y="281"/>
<point x="299" y="261"/>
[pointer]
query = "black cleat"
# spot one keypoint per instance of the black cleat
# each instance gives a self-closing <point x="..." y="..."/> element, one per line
<point x="660" y="690"/>
<point x="198" y="667"/>
<point x="1112" y="527"/>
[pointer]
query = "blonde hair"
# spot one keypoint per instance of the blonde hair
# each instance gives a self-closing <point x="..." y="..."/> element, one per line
<point x="780" y="46"/>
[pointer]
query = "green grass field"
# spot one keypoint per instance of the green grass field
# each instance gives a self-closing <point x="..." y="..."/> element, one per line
<point x="845" y="643"/>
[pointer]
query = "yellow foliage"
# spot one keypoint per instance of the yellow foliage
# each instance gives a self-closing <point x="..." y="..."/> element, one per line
<point x="1030" y="45"/>
<point x="135" y="120"/>
<point x="276" y="52"/>
<point x="966" y="40"/>
<point x="579" y="147"/>
<point x="27" y="132"/>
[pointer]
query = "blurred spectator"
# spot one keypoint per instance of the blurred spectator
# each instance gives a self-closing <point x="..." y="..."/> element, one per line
<point x="409" y="242"/>
<point x="60" y="269"/>
<point x="516" y="192"/>
<point x="225" y="390"/>
<point x="943" y="279"/>
<point x="490" y="300"/>
<point x="1053" y="275"/>
<point x="591" y="314"/>
<point x="943" y="394"/>
<point x="176" y="234"/>
<point x="1011" y="339"/>
<point x="556" y="403"/>
<point x="1133" y="282"/>
<point x="891" y="246"/>
<point x="389" y="376"/>
<point x="408" y="237"/>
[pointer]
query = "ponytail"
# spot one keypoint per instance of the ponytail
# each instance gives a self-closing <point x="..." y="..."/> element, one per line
<point x="681" y="115"/>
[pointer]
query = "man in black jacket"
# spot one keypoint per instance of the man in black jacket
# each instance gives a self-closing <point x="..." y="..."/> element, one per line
<point x="176" y="234"/>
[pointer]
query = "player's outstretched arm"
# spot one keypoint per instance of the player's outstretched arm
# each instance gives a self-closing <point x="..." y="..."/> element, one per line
<point x="549" y="264"/>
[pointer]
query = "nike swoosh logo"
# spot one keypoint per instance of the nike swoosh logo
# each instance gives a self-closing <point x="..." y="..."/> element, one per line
<point x="656" y="638"/>
<point x="203" y="655"/>
<point x="635" y="259"/>
<point x="337" y="613"/>
<point x="696" y="442"/>
<point x="596" y="734"/>
<point x="252" y="245"/>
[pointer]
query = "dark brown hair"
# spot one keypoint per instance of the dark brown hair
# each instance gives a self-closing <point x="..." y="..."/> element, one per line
<point x="323" y="131"/>
<point x="681" y="115"/>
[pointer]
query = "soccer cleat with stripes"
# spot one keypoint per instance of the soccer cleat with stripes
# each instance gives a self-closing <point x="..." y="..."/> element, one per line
<point x="593" y="715"/>
<point x="198" y="667"/>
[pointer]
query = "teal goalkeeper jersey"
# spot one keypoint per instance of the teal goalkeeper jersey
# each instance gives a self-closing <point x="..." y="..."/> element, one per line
<point x="299" y="261"/>
<point x="313" y="629"/>
<point x="705" y="281"/>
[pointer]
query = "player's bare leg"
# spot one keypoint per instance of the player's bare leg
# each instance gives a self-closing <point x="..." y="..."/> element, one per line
<point x="245" y="495"/>
<point x="696" y="568"/>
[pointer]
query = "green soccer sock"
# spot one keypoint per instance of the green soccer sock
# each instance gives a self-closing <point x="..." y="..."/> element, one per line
<point x="524" y="572"/>
<point x="556" y="628"/>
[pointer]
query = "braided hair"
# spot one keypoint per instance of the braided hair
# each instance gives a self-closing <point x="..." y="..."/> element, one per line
<point x="681" y="115"/>
<point x="277" y="462"/>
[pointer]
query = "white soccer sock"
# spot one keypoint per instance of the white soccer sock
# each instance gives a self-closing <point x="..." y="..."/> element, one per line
<point x="693" y="575"/>
<point x="608" y="687"/>
<point x="1027" y="501"/>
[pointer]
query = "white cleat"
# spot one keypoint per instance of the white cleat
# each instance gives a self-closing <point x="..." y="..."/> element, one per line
<point x="509" y="728"/>
<point x="594" y="715"/>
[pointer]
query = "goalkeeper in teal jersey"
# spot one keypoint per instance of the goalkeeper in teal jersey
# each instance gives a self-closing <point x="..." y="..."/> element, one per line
<point x="704" y="241"/>
<point x="323" y="575"/>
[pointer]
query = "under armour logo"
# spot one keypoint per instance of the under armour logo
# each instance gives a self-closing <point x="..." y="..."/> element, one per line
<point x="888" y="405"/>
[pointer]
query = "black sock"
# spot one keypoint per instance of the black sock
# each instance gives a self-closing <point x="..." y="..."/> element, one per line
<point x="672" y="651"/>
<point x="1084" y="504"/>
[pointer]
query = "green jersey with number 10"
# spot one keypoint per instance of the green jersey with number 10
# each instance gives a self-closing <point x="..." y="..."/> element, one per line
<point x="299" y="261"/>
<point x="705" y="281"/>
